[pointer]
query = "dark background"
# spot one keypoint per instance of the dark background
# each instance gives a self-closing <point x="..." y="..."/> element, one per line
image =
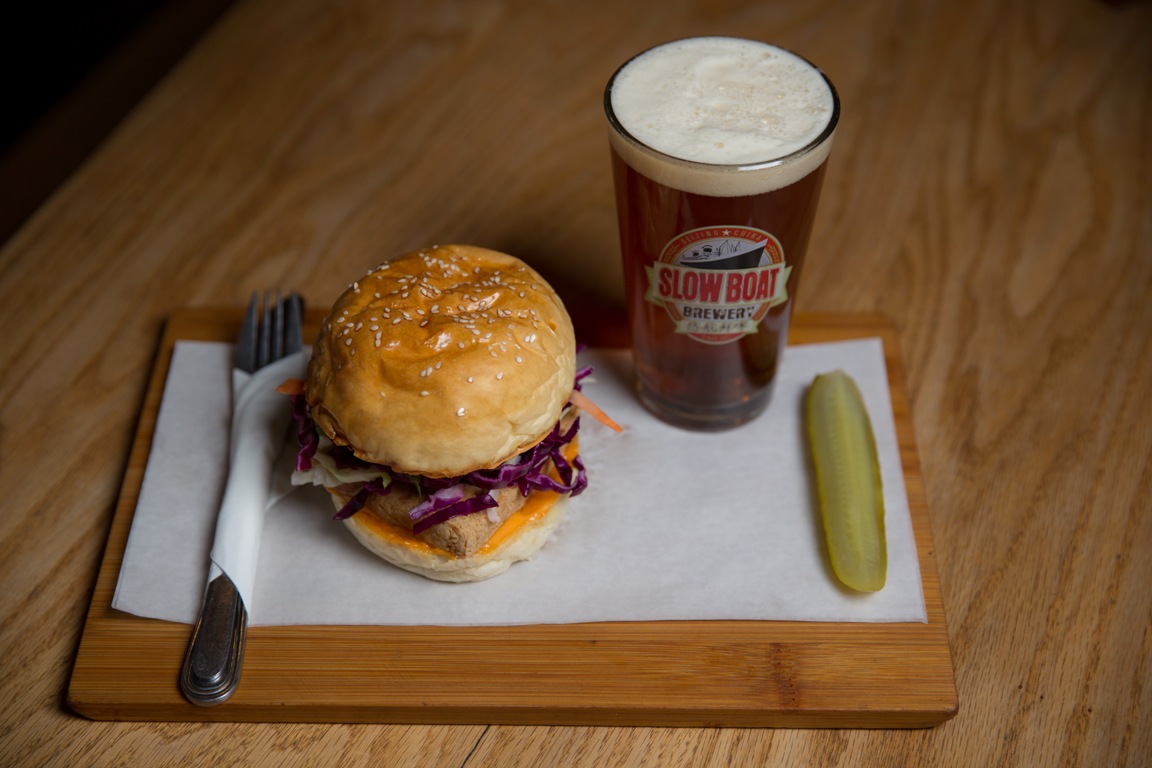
<point x="71" y="71"/>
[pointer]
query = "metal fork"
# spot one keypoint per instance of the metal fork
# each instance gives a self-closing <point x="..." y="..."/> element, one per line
<point x="215" y="655"/>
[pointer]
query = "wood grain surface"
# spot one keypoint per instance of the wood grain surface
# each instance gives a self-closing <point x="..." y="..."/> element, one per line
<point x="989" y="191"/>
<point x="700" y="673"/>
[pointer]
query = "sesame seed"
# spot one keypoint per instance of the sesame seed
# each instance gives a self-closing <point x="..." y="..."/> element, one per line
<point x="459" y="411"/>
<point x="423" y="393"/>
<point x="500" y="375"/>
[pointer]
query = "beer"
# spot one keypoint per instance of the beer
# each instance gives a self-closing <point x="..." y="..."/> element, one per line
<point x="718" y="148"/>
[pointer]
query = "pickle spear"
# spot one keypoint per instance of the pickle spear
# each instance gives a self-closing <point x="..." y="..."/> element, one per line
<point x="848" y="481"/>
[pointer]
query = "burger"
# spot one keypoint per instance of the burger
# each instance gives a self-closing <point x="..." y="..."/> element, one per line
<point x="440" y="411"/>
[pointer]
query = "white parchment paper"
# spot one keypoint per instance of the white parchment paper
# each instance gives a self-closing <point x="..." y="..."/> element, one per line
<point x="675" y="525"/>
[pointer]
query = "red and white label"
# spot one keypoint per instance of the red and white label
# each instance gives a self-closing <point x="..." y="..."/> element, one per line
<point x="717" y="283"/>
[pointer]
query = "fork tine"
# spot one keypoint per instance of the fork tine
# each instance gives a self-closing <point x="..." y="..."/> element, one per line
<point x="265" y="346"/>
<point x="294" y="319"/>
<point x="245" y="358"/>
<point x="277" y="328"/>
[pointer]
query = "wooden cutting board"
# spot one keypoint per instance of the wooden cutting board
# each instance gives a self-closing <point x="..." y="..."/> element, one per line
<point x="683" y="673"/>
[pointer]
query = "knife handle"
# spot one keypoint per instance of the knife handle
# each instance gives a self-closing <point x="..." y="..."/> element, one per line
<point x="216" y="652"/>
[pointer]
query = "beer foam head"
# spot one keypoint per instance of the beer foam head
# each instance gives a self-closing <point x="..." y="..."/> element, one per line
<point x="721" y="116"/>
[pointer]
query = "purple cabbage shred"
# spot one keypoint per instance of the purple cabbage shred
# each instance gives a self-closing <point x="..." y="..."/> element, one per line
<point x="445" y="498"/>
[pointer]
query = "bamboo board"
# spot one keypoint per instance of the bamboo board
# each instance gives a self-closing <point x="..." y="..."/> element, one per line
<point x="697" y="673"/>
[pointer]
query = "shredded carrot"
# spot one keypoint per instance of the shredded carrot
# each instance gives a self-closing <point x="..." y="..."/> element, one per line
<point x="581" y="401"/>
<point x="291" y="387"/>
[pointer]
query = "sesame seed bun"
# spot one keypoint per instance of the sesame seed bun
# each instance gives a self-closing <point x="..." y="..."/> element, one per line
<point x="443" y="361"/>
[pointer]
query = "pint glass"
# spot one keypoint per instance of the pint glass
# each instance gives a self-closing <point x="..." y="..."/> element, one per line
<point x="719" y="147"/>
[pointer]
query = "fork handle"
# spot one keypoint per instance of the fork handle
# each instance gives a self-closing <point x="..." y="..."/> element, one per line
<point x="216" y="652"/>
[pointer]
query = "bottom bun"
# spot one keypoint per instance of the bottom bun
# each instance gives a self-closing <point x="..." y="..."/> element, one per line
<point x="439" y="565"/>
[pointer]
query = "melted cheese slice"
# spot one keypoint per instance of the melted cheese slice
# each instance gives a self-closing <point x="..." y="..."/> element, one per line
<point x="536" y="506"/>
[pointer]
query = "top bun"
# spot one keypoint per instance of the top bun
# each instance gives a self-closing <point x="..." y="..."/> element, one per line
<point x="443" y="361"/>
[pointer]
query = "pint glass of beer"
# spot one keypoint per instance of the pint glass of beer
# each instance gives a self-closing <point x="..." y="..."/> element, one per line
<point x="719" y="146"/>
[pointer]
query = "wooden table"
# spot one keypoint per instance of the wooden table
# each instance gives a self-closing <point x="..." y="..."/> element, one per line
<point x="989" y="193"/>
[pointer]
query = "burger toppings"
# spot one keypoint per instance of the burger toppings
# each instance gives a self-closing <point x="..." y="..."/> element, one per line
<point x="543" y="467"/>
